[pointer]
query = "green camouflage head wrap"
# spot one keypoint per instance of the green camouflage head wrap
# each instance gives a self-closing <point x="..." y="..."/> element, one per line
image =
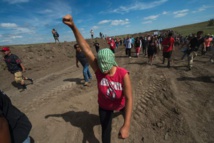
<point x="105" y="60"/>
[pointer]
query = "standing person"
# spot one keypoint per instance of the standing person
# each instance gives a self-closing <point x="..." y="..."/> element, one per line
<point x="137" y="46"/>
<point x="207" y="41"/>
<point x="168" y="44"/>
<point x="185" y="47"/>
<point x="55" y="35"/>
<point x="152" y="48"/>
<point x="97" y="46"/>
<point x="112" y="44"/>
<point x="14" y="125"/>
<point x="15" y="67"/>
<point x="117" y="42"/>
<point x="113" y="82"/>
<point x="194" y="45"/>
<point x="144" y="44"/>
<point x="128" y="46"/>
<point x="92" y="33"/>
<point x="80" y="57"/>
<point x="101" y="35"/>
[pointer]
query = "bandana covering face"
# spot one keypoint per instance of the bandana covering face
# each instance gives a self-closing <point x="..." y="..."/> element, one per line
<point x="105" y="60"/>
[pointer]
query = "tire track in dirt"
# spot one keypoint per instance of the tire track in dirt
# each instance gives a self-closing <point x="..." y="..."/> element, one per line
<point x="48" y="87"/>
<point x="68" y="115"/>
<point x="155" y="109"/>
<point x="198" y="101"/>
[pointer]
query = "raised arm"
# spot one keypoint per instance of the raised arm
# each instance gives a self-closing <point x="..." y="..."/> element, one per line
<point x="68" y="20"/>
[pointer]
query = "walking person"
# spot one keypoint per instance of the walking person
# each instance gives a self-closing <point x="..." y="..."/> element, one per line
<point x="128" y="46"/>
<point x="92" y="33"/>
<point x="97" y="46"/>
<point x="113" y="82"/>
<point x="152" y="48"/>
<point x="137" y="46"/>
<point x="14" y="125"/>
<point x="112" y="44"/>
<point x="144" y="46"/>
<point x="15" y="66"/>
<point x="194" y="45"/>
<point x="80" y="57"/>
<point x="168" y="45"/>
<point x="55" y="35"/>
<point x="101" y="35"/>
<point x="207" y="44"/>
<point x="185" y="47"/>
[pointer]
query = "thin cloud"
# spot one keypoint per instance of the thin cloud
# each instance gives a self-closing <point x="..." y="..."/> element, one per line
<point x="203" y="8"/>
<point x="164" y="12"/>
<point x="95" y="27"/>
<point x="15" y="37"/>
<point x="46" y="11"/>
<point x="55" y="10"/>
<point x="15" y="1"/>
<point x="137" y="6"/>
<point x="24" y="30"/>
<point x="120" y="22"/>
<point x="104" y="21"/>
<point x="152" y="17"/>
<point x="15" y="28"/>
<point x="180" y="13"/>
<point x="8" y="25"/>
<point x="147" y="22"/>
<point x="115" y="22"/>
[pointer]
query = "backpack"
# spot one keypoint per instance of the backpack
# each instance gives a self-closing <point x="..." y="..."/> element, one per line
<point x="57" y="34"/>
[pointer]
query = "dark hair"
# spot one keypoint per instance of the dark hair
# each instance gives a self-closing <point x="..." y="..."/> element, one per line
<point x="170" y="34"/>
<point x="200" y="32"/>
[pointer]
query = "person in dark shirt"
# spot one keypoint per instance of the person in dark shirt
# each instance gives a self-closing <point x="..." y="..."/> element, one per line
<point x="80" y="57"/>
<point x="14" y="125"/>
<point x="97" y="46"/>
<point x="15" y="66"/>
<point x="55" y="35"/>
<point x="194" y="45"/>
<point x="152" y="49"/>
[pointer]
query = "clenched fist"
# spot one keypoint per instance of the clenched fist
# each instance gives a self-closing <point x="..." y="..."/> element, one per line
<point x="68" y="20"/>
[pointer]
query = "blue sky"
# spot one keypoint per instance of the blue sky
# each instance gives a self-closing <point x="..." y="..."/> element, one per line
<point x="31" y="21"/>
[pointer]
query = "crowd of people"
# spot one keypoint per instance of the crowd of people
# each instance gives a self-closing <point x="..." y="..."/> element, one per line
<point x="165" y="43"/>
<point x="113" y="82"/>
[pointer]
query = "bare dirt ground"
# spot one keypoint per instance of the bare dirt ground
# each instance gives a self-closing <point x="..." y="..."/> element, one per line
<point x="170" y="105"/>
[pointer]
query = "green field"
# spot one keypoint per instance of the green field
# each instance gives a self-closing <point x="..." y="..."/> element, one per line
<point x="183" y="30"/>
<point x="193" y="28"/>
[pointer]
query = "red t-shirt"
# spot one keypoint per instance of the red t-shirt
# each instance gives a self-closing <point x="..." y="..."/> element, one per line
<point x="112" y="44"/>
<point x="207" y="42"/>
<point x="168" y="44"/>
<point x="110" y="89"/>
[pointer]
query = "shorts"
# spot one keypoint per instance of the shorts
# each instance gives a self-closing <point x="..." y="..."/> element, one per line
<point x="18" y="77"/>
<point x="167" y="54"/>
<point x="137" y="50"/>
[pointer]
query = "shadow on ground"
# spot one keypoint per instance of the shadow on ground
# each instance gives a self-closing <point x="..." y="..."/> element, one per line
<point x="83" y="120"/>
<point x="208" y="79"/>
<point x="76" y="80"/>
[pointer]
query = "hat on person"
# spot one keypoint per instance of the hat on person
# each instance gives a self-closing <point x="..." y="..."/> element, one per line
<point x="5" y="49"/>
<point x="105" y="60"/>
